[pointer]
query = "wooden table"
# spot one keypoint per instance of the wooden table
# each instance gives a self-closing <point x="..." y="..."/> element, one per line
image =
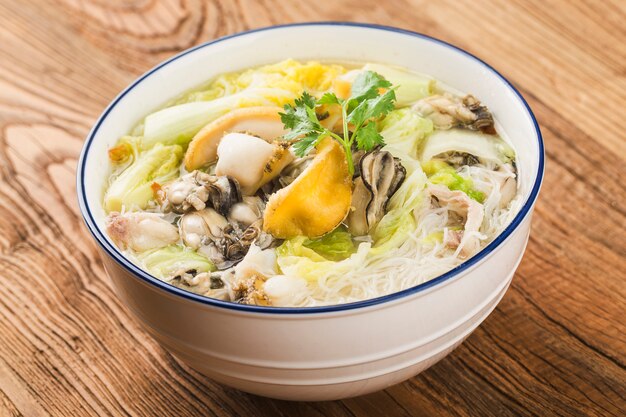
<point x="556" y="345"/>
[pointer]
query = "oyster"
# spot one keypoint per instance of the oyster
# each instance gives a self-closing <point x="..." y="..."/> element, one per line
<point x="140" y="231"/>
<point x="447" y="111"/>
<point x="293" y="170"/>
<point x="248" y="211"/>
<point x="224" y="242"/>
<point x="196" y="189"/>
<point x="381" y="176"/>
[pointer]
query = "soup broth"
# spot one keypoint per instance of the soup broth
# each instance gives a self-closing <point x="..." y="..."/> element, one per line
<point x="306" y="184"/>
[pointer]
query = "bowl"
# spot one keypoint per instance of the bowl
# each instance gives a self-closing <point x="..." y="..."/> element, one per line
<point x="331" y="352"/>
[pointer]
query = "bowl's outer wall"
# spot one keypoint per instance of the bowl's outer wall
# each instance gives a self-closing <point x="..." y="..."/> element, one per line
<point x="328" y="355"/>
<point x="331" y="354"/>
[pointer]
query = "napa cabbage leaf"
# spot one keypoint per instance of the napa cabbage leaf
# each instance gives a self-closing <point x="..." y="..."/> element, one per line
<point x="483" y="146"/>
<point x="439" y="172"/>
<point x="311" y="265"/>
<point x="171" y="259"/>
<point x="410" y="86"/>
<point x="132" y="188"/>
<point x="403" y="131"/>
<point x="334" y="246"/>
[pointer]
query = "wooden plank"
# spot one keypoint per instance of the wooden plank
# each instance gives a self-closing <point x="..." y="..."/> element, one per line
<point x="554" y="346"/>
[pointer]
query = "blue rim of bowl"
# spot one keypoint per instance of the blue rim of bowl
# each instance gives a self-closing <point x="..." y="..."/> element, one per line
<point x="116" y="255"/>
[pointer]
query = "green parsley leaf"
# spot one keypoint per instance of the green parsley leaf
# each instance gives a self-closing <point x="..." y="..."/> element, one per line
<point x="372" y="108"/>
<point x="329" y="98"/>
<point x="365" y="104"/>
<point x="306" y="144"/>
<point x="300" y="118"/>
<point x="367" y="137"/>
<point x="366" y="85"/>
<point x="306" y="100"/>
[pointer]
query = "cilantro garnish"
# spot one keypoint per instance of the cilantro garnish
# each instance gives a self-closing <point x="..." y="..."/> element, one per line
<point x="358" y="111"/>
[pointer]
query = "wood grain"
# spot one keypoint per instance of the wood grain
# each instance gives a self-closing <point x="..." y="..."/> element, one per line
<point x="556" y="345"/>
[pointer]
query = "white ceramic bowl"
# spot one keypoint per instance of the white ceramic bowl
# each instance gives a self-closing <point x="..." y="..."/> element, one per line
<point x="330" y="352"/>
